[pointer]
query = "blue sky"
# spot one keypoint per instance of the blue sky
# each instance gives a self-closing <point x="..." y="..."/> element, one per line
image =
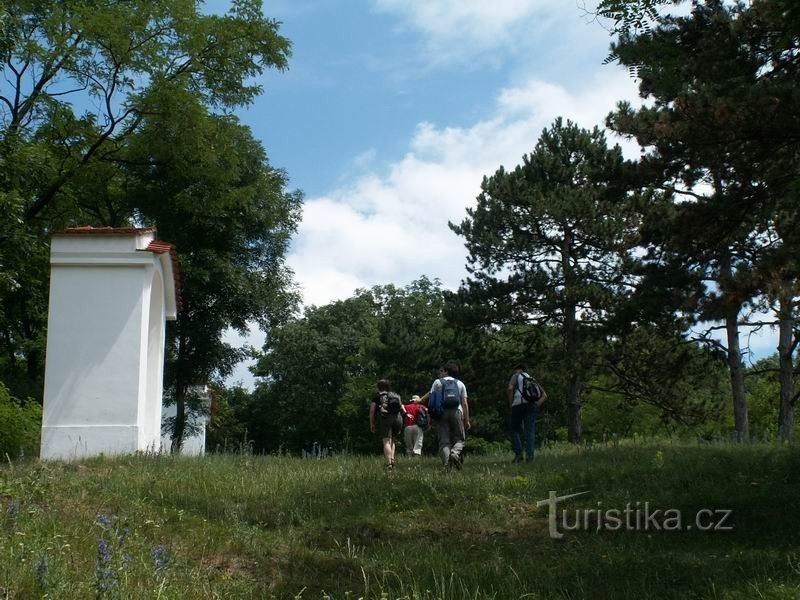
<point x="365" y="73"/>
<point x="393" y="110"/>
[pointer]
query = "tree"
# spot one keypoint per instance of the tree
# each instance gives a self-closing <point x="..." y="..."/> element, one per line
<point x="780" y="273"/>
<point x="226" y="430"/>
<point x="546" y="244"/>
<point x="415" y="339"/>
<point x="210" y="190"/>
<point x="661" y="368"/>
<point x="763" y="388"/>
<point x="309" y="365"/>
<point x="722" y="113"/>
<point x="773" y="31"/>
<point x="87" y="74"/>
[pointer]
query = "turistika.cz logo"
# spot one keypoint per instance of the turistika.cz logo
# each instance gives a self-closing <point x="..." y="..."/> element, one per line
<point x="635" y="516"/>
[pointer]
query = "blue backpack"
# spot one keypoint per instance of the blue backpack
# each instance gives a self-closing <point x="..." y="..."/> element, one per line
<point x="451" y="395"/>
<point x="435" y="409"/>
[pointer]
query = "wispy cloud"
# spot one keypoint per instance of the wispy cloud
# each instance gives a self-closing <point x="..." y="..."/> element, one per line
<point x="458" y="30"/>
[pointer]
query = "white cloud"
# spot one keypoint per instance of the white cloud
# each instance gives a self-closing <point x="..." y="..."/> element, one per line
<point x="390" y="225"/>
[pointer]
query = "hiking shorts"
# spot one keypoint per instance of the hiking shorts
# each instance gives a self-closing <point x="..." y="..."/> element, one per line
<point x="391" y="425"/>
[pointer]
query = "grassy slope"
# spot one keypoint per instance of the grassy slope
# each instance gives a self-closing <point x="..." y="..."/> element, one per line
<point x="253" y="527"/>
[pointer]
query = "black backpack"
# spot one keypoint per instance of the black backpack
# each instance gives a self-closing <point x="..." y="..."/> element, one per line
<point x="390" y="403"/>
<point x="422" y="417"/>
<point x="529" y="389"/>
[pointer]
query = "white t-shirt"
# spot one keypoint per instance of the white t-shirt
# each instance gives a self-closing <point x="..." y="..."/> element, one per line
<point x="516" y="383"/>
<point x="462" y="389"/>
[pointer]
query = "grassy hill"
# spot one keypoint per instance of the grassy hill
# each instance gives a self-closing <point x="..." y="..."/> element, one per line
<point x="263" y="527"/>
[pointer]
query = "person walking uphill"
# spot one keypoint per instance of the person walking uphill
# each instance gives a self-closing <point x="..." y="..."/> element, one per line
<point x="453" y="422"/>
<point x="388" y="405"/>
<point x="416" y="422"/>
<point x="525" y="397"/>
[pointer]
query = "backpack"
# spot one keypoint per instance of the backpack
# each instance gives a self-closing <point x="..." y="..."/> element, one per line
<point x="390" y="403"/>
<point x="422" y="417"/>
<point x="451" y="395"/>
<point x="435" y="409"/>
<point x="529" y="389"/>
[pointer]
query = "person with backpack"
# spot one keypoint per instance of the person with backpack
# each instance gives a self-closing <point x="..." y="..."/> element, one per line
<point x="416" y="422"/>
<point x="449" y="408"/>
<point x="389" y="406"/>
<point x="525" y="397"/>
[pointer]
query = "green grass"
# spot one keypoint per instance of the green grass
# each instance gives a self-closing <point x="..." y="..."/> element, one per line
<point x="263" y="527"/>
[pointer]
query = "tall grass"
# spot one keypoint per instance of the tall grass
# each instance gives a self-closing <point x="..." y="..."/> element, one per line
<point x="263" y="527"/>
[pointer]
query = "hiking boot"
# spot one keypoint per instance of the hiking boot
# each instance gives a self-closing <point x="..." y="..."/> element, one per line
<point x="455" y="461"/>
<point x="518" y="458"/>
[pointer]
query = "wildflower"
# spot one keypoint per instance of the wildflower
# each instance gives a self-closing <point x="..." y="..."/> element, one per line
<point x="160" y="556"/>
<point x="103" y="520"/>
<point x="103" y="552"/>
<point x="40" y="571"/>
<point x="104" y="574"/>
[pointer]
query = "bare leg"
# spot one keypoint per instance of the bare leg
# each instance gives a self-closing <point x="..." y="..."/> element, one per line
<point x="388" y="450"/>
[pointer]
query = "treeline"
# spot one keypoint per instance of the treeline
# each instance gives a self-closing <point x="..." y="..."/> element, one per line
<point x="319" y="373"/>
<point x="627" y="284"/>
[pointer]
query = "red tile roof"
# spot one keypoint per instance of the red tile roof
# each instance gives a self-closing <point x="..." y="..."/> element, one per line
<point x="159" y="247"/>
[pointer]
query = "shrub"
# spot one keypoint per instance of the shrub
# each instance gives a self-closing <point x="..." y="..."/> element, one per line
<point x="20" y="426"/>
<point x="483" y="447"/>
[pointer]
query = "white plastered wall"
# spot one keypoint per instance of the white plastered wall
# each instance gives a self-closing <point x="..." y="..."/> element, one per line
<point x="109" y="298"/>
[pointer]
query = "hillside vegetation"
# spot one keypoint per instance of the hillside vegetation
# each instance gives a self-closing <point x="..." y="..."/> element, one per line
<point x="264" y="527"/>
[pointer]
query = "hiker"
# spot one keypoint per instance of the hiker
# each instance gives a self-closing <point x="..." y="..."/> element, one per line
<point x="525" y="397"/>
<point x="416" y="421"/>
<point x="452" y="423"/>
<point x="388" y="405"/>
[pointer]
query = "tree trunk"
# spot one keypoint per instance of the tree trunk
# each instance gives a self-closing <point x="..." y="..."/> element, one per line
<point x="181" y="386"/>
<point x="733" y="308"/>
<point x="786" y="376"/>
<point x="574" y="384"/>
<point x="736" y="369"/>
<point x="574" y="425"/>
<point x="180" y="419"/>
